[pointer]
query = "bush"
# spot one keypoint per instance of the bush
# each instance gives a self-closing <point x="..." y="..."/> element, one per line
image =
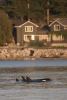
<point x="36" y="44"/>
<point x="63" y="33"/>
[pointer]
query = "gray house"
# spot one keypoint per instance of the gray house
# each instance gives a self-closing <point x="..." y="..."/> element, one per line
<point x="59" y="24"/>
<point x="30" y="31"/>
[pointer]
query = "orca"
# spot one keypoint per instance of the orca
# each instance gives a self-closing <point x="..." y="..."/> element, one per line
<point x="23" y="79"/>
<point x="28" y="80"/>
<point x="17" y="79"/>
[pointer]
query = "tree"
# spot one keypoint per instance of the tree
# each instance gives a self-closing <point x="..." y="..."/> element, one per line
<point x="48" y="5"/>
<point x="16" y="8"/>
<point x="5" y="28"/>
<point x="37" y="8"/>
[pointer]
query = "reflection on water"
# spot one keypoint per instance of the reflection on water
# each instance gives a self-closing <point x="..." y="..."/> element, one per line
<point x="54" y="90"/>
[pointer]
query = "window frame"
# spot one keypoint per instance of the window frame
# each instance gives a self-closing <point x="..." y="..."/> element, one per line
<point x="28" y="28"/>
<point x="55" y="27"/>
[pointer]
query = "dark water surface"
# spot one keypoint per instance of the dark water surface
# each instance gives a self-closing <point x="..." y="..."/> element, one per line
<point x="56" y="89"/>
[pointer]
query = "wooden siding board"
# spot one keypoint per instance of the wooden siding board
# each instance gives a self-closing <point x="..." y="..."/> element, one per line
<point x="52" y="26"/>
<point x="36" y="31"/>
<point x="29" y="24"/>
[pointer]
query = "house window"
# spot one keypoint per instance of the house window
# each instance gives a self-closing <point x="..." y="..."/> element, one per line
<point x="28" y="28"/>
<point x="32" y="37"/>
<point x="56" y="27"/>
<point x="65" y="27"/>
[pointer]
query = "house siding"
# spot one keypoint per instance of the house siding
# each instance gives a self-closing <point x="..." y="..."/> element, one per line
<point x="29" y="33"/>
<point x="21" y="32"/>
<point x="24" y="35"/>
<point x="52" y="26"/>
<point x="19" y="35"/>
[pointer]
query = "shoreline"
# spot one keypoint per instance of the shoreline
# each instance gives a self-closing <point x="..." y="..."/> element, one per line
<point x="32" y="53"/>
<point x="29" y="58"/>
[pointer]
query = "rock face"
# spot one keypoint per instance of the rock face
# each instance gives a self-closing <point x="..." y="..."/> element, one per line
<point x="19" y="53"/>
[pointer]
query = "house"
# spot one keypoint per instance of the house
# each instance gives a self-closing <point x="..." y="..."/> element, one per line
<point x="29" y="31"/>
<point x="59" y="24"/>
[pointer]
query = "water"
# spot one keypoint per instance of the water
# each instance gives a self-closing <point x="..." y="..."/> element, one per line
<point x="53" y="90"/>
<point x="33" y="63"/>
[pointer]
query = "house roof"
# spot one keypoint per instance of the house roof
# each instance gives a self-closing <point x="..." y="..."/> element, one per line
<point x="62" y="21"/>
<point x="22" y="24"/>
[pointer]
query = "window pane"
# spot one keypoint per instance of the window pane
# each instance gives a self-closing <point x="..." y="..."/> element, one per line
<point x="28" y="28"/>
<point x="56" y="27"/>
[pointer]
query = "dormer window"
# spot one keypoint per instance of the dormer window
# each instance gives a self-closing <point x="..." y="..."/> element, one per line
<point x="28" y="28"/>
<point x="56" y="27"/>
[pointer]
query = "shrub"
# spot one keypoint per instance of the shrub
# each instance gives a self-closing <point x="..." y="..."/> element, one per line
<point x="36" y="44"/>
